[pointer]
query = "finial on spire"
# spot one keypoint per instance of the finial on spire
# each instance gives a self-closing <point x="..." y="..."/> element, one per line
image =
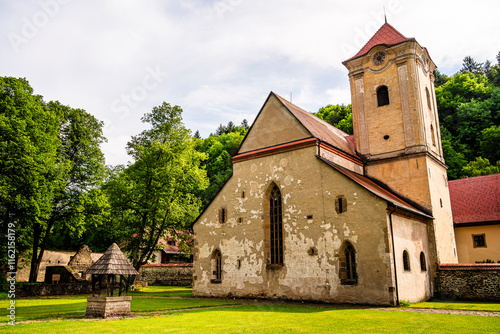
<point x="385" y="17"/>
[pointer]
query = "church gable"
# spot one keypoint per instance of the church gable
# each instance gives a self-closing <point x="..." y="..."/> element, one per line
<point x="274" y="125"/>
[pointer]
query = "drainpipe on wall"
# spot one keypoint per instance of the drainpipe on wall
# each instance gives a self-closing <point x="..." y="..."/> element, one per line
<point x="394" y="254"/>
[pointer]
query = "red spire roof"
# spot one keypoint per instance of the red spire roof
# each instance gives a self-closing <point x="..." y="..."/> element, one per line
<point x="475" y="199"/>
<point x="386" y="35"/>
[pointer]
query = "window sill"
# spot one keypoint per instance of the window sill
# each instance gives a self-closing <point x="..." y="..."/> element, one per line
<point x="348" y="281"/>
<point x="274" y="266"/>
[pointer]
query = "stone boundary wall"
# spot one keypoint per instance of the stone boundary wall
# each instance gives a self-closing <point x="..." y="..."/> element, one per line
<point x="41" y="289"/>
<point x="166" y="274"/>
<point x="479" y="282"/>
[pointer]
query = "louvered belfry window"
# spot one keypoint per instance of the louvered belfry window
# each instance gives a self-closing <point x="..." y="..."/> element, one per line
<point x="276" y="226"/>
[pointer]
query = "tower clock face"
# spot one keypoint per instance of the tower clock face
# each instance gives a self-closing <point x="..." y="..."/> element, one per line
<point x="378" y="58"/>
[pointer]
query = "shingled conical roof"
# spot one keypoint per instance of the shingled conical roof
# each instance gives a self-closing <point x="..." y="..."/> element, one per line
<point x="112" y="262"/>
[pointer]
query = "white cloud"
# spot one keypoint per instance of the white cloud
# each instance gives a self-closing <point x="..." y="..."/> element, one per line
<point x="220" y="58"/>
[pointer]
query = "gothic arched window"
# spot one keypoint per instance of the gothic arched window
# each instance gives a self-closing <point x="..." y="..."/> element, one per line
<point x="382" y="96"/>
<point x="276" y="226"/>
<point x="348" y="273"/>
<point x="216" y="266"/>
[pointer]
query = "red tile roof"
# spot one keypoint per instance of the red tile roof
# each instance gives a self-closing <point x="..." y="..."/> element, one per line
<point x="319" y="128"/>
<point x="386" y="35"/>
<point x="475" y="199"/>
<point x="375" y="189"/>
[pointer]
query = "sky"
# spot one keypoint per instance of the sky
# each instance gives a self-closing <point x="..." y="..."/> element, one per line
<point x="217" y="59"/>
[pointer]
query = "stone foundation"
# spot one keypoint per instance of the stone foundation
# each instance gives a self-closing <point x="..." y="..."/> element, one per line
<point x="108" y="307"/>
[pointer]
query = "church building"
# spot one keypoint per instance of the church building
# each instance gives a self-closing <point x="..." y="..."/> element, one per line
<point x="312" y="213"/>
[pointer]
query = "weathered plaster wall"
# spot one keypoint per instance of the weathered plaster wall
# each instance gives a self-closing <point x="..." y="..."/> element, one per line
<point x="467" y="253"/>
<point x="273" y="128"/>
<point x="441" y="211"/>
<point x="309" y="189"/>
<point x="411" y="235"/>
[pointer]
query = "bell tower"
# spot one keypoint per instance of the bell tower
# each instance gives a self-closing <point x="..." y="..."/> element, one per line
<point x="396" y="126"/>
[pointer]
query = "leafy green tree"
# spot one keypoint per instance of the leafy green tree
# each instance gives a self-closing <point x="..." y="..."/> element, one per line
<point x="53" y="165"/>
<point x="154" y="196"/>
<point x="490" y="143"/>
<point x="459" y="89"/>
<point x="480" y="167"/>
<point x="78" y="202"/>
<point x="453" y="156"/>
<point x="339" y="116"/>
<point x="439" y="78"/>
<point x="28" y="162"/>
<point x="220" y="149"/>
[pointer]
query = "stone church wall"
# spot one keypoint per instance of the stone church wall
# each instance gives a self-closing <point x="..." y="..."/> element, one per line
<point x="313" y="234"/>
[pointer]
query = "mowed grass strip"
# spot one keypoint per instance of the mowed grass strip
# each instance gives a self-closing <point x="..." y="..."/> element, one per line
<point x="36" y="309"/>
<point x="458" y="305"/>
<point x="273" y="319"/>
<point x="163" y="291"/>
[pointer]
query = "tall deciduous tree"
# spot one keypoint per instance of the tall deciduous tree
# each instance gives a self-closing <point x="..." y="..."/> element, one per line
<point x="154" y="196"/>
<point x="29" y="169"/>
<point x="53" y="165"/>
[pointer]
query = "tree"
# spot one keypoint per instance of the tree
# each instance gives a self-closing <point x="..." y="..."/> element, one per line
<point x="439" y="78"/>
<point x="78" y="202"/>
<point x="220" y="149"/>
<point x="490" y="142"/>
<point x="480" y="167"/>
<point x="56" y="150"/>
<point x="154" y="196"/>
<point x="28" y="162"/>
<point x="339" y="116"/>
<point x="470" y="65"/>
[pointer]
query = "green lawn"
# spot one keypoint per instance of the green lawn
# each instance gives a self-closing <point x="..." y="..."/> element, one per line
<point x="273" y="319"/>
<point x="458" y="305"/>
<point x="151" y="313"/>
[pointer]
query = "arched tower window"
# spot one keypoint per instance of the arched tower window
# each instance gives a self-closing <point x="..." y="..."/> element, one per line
<point x="406" y="261"/>
<point x="382" y="96"/>
<point x="216" y="266"/>
<point x="276" y="226"/>
<point x="347" y="272"/>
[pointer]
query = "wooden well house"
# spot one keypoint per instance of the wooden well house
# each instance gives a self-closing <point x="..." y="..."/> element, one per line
<point x="111" y="272"/>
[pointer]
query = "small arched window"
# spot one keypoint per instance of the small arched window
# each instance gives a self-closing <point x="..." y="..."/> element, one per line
<point x="216" y="266"/>
<point x="348" y="275"/>
<point x="423" y="264"/>
<point x="406" y="261"/>
<point x="382" y="96"/>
